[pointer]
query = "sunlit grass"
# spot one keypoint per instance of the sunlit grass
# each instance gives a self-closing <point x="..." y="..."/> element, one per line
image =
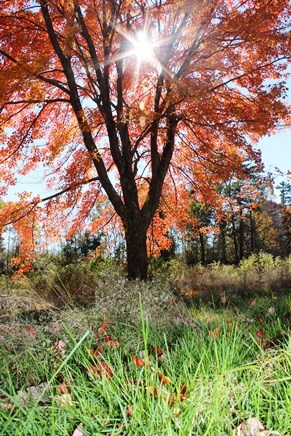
<point x="232" y="364"/>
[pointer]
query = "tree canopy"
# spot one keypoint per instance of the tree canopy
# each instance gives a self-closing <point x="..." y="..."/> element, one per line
<point x="135" y="100"/>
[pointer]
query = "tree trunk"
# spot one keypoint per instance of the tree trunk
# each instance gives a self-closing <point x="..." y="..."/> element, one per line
<point x="202" y="249"/>
<point x="136" y="249"/>
<point x="235" y="243"/>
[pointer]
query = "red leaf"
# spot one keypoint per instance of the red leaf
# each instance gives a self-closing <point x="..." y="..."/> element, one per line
<point x="164" y="379"/>
<point x="183" y="393"/>
<point x="260" y="333"/>
<point x="31" y="330"/>
<point x="159" y="352"/>
<point x="105" y="369"/>
<point x="111" y="342"/>
<point x="129" y="411"/>
<point x="102" y="328"/>
<point x="100" y="369"/>
<point x="137" y="361"/>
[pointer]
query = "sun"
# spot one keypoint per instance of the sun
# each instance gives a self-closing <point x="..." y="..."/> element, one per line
<point x="143" y="48"/>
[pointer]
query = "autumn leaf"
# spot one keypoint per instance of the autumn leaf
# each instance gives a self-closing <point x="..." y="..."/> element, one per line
<point x="111" y="342"/>
<point x="271" y="310"/>
<point x="158" y="351"/>
<point x="164" y="379"/>
<point x="137" y="361"/>
<point x="154" y="391"/>
<point x="60" y="347"/>
<point x="96" y="353"/>
<point x="253" y="427"/>
<point x="101" y="369"/>
<point x="129" y="411"/>
<point x="63" y="388"/>
<point x="34" y="393"/>
<point x="215" y="333"/>
<point x="31" y="330"/>
<point x="64" y="400"/>
<point x="101" y="329"/>
<point x="182" y="395"/>
<point x="79" y="430"/>
<point x="260" y="333"/>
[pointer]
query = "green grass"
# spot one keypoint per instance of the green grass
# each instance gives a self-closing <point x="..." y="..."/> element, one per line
<point x="231" y="364"/>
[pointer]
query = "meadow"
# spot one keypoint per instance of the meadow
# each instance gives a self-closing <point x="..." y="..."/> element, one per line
<point x="195" y="351"/>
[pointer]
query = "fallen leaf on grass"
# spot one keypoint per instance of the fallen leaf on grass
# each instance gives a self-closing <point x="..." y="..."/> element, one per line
<point x="155" y="392"/>
<point x="111" y="342"/>
<point x="129" y="411"/>
<point x="164" y="379"/>
<point x="215" y="333"/>
<point x="271" y="310"/>
<point x="30" y="330"/>
<point x="60" y="347"/>
<point x="79" y="430"/>
<point x="96" y="353"/>
<point x="63" y="388"/>
<point x="33" y="393"/>
<point x="102" y="328"/>
<point x="160" y="353"/>
<point x="253" y="427"/>
<point x="260" y="333"/>
<point x="64" y="400"/>
<point x="101" y="369"/>
<point x="261" y="320"/>
<point x="137" y="361"/>
<point x="6" y="404"/>
<point x="182" y="394"/>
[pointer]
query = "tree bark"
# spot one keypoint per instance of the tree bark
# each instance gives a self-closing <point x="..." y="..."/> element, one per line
<point x="136" y="248"/>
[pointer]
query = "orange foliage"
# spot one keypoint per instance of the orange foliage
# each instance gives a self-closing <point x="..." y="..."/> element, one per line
<point x="77" y="98"/>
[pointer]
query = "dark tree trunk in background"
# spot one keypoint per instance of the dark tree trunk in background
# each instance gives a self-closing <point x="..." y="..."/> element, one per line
<point x="235" y="244"/>
<point x="202" y="249"/>
<point x="136" y="248"/>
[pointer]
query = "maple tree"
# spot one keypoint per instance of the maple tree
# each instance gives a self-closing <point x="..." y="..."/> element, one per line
<point x="133" y="100"/>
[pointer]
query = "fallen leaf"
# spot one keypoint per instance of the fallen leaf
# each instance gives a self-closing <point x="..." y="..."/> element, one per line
<point x="79" y="430"/>
<point x="249" y="320"/>
<point x="96" y="353"/>
<point x="129" y="411"/>
<point x="64" y="400"/>
<point x="183" y="393"/>
<point x="271" y="310"/>
<point x="60" y="347"/>
<point x="155" y="392"/>
<point x="223" y="298"/>
<point x="111" y="342"/>
<point x="261" y="320"/>
<point x="164" y="379"/>
<point x="253" y="303"/>
<point x="215" y="333"/>
<point x="137" y="361"/>
<point x="176" y="412"/>
<point x="102" y="328"/>
<point x="157" y="350"/>
<point x="260" y="333"/>
<point x="6" y="404"/>
<point x="253" y="427"/>
<point x="63" y="388"/>
<point x="30" y="330"/>
<point x="101" y="369"/>
<point x="33" y="393"/>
